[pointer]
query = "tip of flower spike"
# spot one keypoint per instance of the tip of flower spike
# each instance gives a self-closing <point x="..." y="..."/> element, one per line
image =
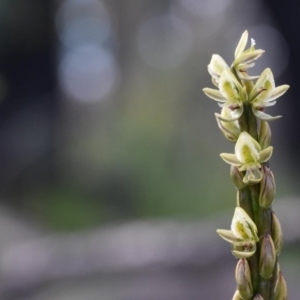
<point x="242" y="44"/>
<point x="253" y="42"/>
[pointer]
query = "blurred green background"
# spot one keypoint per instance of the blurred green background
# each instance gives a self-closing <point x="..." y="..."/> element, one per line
<point x="103" y="116"/>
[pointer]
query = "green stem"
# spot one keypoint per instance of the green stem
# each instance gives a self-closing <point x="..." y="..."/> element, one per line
<point x="244" y="201"/>
<point x="261" y="216"/>
<point x="254" y="192"/>
<point x="254" y="267"/>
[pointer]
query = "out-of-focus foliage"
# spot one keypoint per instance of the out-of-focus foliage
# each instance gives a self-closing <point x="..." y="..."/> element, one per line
<point x="104" y="117"/>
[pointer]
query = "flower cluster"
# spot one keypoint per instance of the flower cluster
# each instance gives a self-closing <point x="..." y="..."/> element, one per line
<point x="232" y="93"/>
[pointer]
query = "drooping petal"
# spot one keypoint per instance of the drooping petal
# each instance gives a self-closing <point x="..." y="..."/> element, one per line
<point x="214" y="94"/>
<point x="263" y="116"/>
<point x="230" y="130"/>
<point x="252" y="176"/>
<point x="241" y="45"/>
<point x="267" y="103"/>
<point x="243" y="254"/>
<point x="236" y="113"/>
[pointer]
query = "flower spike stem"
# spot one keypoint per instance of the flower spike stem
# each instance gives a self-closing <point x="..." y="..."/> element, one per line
<point x="255" y="234"/>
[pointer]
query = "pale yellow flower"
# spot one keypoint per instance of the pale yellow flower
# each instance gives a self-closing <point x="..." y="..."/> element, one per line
<point x="248" y="157"/>
<point x="243" y="234"/>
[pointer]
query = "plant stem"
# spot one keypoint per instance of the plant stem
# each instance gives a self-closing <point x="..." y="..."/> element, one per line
<point x="261" y="216"/>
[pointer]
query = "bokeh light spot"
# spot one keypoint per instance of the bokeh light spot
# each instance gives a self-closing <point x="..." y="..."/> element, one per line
<point x="164" y="42"/>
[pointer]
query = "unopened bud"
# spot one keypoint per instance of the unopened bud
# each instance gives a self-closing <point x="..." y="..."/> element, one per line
<point x="264" y="137"/>
<point x="258" y="297"/>
<point x="243" y="279"/>
<point x="237" y="296"/>
<point x="280" y="290"/>
<point x="237" y="177"/>
<point x="267" y="257"/>
<point x="267" y="188"/>
<point x="276" y="234"/>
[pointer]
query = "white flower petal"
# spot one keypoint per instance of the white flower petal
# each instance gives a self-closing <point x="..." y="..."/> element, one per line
<point x="227" y="235"/>
<point x="247" y="149"/>
<point x="265" y="154"/>
<point x="230" y="159"/>
<point x="214" y="94"/>
<point x="243" y="254"/>
<point x="248" y="57"/>
<point x="242" y="225"/>
<point x="217" y="65"/>
<point x="278" y="91"/>
<point x="263" y="116"/>
<point x="242" y="44"/>
<point x="229" y="87"/>
<point x="263" y="87"/>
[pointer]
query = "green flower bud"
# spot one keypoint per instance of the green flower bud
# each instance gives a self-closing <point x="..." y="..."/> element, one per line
<point x="264" y="137"/>
<point x="243" y="279"/>
<point x="237" y="177"/>
<point x="267" y="188"/>
<point x="267" y="257"/>
<point x="276" y="233"/>
<point x="280" y="290"/>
